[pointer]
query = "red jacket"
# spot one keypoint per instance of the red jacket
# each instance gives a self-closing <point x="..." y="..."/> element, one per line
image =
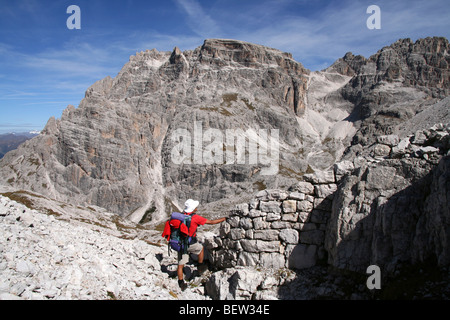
<point x="192" y="232"/>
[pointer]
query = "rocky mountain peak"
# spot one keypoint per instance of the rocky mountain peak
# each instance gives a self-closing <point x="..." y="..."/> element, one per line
<point x="176" y="56"/>
<point x="424" y="63"/>
<point x="349" y="65"/>
<point x="393" y="85"/>
<point x="115" y="150"/>
<point x="248" y="54"/>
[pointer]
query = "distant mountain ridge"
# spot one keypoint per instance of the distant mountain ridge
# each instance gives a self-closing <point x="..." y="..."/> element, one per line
<point x="10" y="141"/>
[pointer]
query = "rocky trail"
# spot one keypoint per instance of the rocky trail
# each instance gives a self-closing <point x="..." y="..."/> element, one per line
<point x="46" y="258"/>
<point x="43" y="257"/>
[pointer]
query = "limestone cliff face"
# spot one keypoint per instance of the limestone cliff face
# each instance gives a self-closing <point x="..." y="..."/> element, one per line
<point x="395" y="210"/>
<point x="116" y="149"/>
<point x="394" y="85"/>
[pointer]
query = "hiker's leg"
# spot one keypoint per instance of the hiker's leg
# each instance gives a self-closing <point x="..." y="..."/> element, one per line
<point x="201" y="255"/>
<point x="181" y="283"/>
<point x="197" y="249"/>
<point x="201" y="266"/>
<point x="182" y="260"/>
<point x="180" y="271"/>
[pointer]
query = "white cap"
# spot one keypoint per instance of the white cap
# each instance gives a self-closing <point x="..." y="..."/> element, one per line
<point x="190" y="205"/>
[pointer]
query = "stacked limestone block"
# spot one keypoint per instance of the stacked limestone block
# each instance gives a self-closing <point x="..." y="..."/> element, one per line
<point x="278" y="228"/>
<point x="428" y="144"/>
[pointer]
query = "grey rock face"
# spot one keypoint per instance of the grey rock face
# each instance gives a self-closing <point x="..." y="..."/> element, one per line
<point x="394" y="211"/>
<point x="399" y="83"/>
<point x="116" y="150"/>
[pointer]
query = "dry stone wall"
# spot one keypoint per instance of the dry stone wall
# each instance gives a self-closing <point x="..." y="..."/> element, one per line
<point x="278" y="228"/>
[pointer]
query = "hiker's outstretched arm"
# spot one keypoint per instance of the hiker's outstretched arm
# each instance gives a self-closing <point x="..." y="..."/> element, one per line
<point x="215" y="221"/>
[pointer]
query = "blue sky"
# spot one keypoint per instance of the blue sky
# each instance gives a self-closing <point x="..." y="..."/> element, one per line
<point x="44" y="66"/>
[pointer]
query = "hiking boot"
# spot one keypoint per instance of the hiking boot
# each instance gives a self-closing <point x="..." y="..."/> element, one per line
<point x="182" y="285"/>
<point x="202" y="268"/>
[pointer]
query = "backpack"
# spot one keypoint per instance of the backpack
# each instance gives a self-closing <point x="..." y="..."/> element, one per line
<point x="176" y="231"/>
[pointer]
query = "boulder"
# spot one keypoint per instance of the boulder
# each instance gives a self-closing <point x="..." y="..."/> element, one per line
<point x="320" y="177"/>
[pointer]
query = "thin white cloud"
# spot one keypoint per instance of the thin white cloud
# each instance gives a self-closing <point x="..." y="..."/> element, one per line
<point x="310" y="39"/>
<point x="154" y="39"/>
<point x="61" y="74"/>
<point x="16" y="125"/>
<point x="66" y="68"/>
<point x="320" y="39"/>
<point x="198" y="20"/>
<point x="83" y="60"/>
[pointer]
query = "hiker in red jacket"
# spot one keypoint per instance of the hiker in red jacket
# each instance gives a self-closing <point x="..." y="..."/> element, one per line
<point x="195" y="247"/>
